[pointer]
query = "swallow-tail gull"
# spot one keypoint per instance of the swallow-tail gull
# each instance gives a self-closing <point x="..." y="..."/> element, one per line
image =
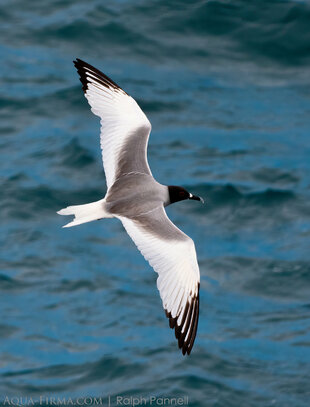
<point x="138" y="201"/>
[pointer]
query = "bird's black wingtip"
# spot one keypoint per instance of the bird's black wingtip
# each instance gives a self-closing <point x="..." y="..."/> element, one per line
<point x="189" y="323"/>
<point x="84" y="69"/>
<point x="80" y="67"/>
<point x="78" y="61"/>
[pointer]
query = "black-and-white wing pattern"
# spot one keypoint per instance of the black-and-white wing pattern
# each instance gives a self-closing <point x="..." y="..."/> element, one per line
<point x="175" y="261"/>
<point x="124" y="136"/>
<point x="124" y="127"/>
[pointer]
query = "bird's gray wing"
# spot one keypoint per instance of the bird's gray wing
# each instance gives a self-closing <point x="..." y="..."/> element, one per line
<point x="124" y="127"/>
<point x="172" y="254"/>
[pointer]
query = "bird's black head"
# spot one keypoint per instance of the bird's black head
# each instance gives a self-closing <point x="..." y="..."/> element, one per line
<point x="177" y="194"/>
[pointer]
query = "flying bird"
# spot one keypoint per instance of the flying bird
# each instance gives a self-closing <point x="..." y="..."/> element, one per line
<point x="138" y="201"/>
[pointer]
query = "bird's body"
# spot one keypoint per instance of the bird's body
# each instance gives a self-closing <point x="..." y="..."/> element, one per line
<point x="138" y="200"/>
<point x="122" y="197"/>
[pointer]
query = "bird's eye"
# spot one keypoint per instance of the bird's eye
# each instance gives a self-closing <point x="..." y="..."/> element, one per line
<point x="182" y="193"/>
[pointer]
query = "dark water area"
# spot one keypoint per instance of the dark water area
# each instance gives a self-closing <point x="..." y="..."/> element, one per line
<point x="226" y="86"/>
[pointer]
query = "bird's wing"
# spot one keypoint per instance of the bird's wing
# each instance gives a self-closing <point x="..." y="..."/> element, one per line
<point x="172" y="254"/>
<point x="124" y="127"/>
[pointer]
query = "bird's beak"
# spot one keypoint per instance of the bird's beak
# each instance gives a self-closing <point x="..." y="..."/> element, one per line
<point x="196" y="198"/>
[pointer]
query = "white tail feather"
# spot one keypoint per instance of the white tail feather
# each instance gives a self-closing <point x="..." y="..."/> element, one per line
<point x="85" y="213"/>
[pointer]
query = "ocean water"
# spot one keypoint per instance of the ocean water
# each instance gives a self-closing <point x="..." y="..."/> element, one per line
<point x="226" y="85"/>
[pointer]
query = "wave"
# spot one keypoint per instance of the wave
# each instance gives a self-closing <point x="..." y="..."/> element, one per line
<point x="24" y="203"/>
<point x="231" y="208"/>
<point x="261" y="29"/>
<point x="272" y="278"/>
<point x="231" y="195"/>
<point x="204" y="35"/>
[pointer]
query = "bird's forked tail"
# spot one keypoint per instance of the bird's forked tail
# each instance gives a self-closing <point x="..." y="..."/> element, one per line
<point x="85" y="213"/>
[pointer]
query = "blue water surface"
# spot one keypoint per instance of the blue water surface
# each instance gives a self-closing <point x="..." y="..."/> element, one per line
<point x="226" y="86"/>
